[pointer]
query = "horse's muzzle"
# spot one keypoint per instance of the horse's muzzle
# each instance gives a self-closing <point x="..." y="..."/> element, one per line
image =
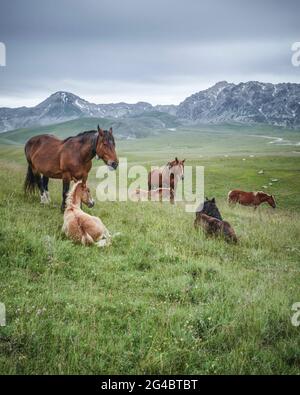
<point x="91" y="203"/>
<point x="113" y="164"/>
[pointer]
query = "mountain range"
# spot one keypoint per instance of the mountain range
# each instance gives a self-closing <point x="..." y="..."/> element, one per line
<point x="250" y="102"/>
<point x="247" y="103"/>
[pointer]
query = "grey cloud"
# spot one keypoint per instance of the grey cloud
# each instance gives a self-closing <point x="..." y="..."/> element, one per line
<point x="147" y="48"/>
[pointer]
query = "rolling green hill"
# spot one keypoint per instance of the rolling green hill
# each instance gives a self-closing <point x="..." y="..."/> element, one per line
<point x="131" y="127"/>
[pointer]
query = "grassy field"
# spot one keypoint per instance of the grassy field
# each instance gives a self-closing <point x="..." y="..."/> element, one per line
<point x="163" y="298"/>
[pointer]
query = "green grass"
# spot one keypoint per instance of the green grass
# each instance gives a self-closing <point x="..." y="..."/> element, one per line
<point x="163" y="298"/>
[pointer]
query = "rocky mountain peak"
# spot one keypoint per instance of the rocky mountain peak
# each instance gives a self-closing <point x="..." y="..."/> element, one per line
<point x="246" y="102"/>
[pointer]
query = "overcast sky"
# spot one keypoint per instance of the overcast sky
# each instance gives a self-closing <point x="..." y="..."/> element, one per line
<point x="159" y="51"/>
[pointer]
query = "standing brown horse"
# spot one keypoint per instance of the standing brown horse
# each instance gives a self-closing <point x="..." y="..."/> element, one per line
<point x="69" y="159"/>
<point x="250" y="198"/>
<point x="167" y="177"/>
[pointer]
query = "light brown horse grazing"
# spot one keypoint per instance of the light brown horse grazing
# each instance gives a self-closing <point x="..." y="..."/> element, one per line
<point x="167" y="176"/>
<point x="250" y="198"/>
<point x="69" y="159"/>
<point x="159" y="194"/>
<point x="80" y="226"/>
<point x="210" y="220"/>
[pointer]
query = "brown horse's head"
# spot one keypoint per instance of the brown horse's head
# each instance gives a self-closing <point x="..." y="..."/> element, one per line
<point x="83" y="191"/>
<point x="264" y="197"/>
<point x="271" y="201"/>
<point x="210" y="208"/>
<point x="105" y="148"/>
<point x="177" y="167"/>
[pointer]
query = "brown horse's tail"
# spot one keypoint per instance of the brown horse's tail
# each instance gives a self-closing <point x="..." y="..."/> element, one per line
<point x="30" y="184"/>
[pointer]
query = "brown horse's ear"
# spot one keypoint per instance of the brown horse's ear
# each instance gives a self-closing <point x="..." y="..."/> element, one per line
<point x="206" y="198"/>
<point x="110" y="130"/>
<point x="100" y="131"/>
<point x="213" y="200"/>
<point x="176" y="159"/>
<point x="183" y="161"/>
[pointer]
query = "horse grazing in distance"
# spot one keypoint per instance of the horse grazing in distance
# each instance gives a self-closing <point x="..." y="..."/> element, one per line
<point x="167" y="177"/>
<point x="210" y="220"/>
<point x="69" y="159"/>
<point x="80" y="226"/>
<point x="253" y="199"/>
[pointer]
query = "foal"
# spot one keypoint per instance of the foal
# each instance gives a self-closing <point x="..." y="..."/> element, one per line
<point x="80" y="226"/>
<point x="210" y="219"/>
<point x="159" y="194"/>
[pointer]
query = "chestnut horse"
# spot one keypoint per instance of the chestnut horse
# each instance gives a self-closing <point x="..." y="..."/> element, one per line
<point x="250" y="198"/>
<point x="69" y="159"/>
<point x="210" y="219"/>
<point x="167" y="177"/>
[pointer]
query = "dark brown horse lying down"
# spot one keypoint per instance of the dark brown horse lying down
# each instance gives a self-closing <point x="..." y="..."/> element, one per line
<point x="210" y="219"/>
<point x="250" y="198"/>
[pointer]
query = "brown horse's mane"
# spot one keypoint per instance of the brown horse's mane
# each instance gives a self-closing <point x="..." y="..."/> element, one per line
<point x="82" y="136"/>
<point x="262" y="193"/>
<point x="71" y="193"/>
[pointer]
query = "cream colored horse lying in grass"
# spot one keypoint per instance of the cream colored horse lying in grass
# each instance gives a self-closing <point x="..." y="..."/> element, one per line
<point x="80" y="226"/>
<point x="156" y="195"/>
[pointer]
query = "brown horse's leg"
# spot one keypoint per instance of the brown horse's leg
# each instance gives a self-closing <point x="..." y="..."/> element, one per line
<point x="149" y="181"/>
<point x="172" y="195"/>
<point x="232" y="202"/>
<point x="66" y="186"/>
<point x="45" y="181"/>
<point x="40" y="184"/>
<point x="172" y="189"/>
<point x="84" y="180"/>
